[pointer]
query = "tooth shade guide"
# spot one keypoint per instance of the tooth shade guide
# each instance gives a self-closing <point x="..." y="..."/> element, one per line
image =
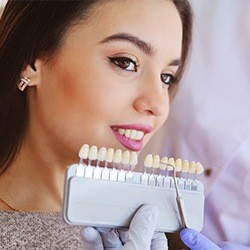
<point x="89" y="172"/>
<point x="192" y="167"/>
<point x="178" y="165"/>
<point x="121" y="176"/>
<point x="92" y="153"/>
<point x="133" y="159"/>
<point x="113" y="175"/>
<point x="97" y="174"/>
<point x="131" y="193"/>
<point x="199" y="168"/>
<point x="129" y="176"/>
<point x="101" y="154"/>
<point x="157" y="171"/>
<point x="84" y="151"/>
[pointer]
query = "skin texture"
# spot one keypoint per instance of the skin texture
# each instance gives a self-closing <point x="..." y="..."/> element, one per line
<point x="78" y="95"/>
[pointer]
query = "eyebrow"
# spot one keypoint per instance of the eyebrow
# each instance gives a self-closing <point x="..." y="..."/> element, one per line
<point x="142" y="45"/>
<point x="175" y="62"/>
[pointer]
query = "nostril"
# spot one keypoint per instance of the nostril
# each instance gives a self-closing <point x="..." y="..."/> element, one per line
<point x="151" y="107"/>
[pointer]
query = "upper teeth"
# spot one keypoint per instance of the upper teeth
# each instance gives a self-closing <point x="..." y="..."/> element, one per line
<point x="131" y="133"/>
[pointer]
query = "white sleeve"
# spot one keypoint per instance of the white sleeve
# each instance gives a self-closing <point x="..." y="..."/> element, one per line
<point x="209" y="118"/>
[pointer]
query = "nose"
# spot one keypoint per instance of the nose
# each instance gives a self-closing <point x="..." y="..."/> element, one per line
<point x="152" y="98"/>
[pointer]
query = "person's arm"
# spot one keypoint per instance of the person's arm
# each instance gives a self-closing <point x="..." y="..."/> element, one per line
<point x="140" y="235"/>
<point x="197" y="241"/>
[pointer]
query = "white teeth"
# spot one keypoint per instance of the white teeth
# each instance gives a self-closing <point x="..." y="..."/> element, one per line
<point x="84" y="151"/>
<point x="185" y="166"/>
<point x="121" y="131"/>
<point x="101" y="154"/>
<point x="110" y="154"/>
<point x="148" y="162"/>
<point x="93" y="153"/>
<point x="131" y="133"/>
<point x="133" y="159"/>
<point x="139" y="136"/>
<point x="171" y="164"/>
<point x="163" y="163"/>
<point x="125" y="157"/>
<point x="117" y="156"/>
<point x="192" y="167"/>
<point x="156" y="161"/>
<point x="127" y="133"/>
<point x="178" y="165"/>
<point x="199" y="168"/>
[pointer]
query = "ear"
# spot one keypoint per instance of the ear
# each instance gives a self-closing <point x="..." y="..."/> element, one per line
<point x="33" y="72"/>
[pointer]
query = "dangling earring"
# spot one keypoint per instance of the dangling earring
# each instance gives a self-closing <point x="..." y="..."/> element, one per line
<point x="23" y="83"/>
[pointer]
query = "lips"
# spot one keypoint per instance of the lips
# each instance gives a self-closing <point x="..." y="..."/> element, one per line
<point x="131" y="136"/>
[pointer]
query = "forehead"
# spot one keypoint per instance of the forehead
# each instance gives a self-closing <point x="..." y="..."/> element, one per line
<point x="154" y="21"/>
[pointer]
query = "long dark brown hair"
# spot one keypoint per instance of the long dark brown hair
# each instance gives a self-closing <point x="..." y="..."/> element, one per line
<point x="35" y="29"/>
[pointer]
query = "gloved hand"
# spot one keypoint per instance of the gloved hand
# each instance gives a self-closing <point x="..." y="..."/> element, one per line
<point x="140" y="234"/>
<point x="197" y="241"/>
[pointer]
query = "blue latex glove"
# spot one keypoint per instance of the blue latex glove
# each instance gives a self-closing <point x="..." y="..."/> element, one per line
<point x="197" y="241"/>
<point x="140" y="234"/>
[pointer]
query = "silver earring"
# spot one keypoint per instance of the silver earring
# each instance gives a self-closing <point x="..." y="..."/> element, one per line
<point x="23" y="83"/>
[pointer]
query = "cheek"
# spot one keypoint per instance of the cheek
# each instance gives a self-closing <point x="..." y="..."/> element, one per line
<point x="157" y="125"/>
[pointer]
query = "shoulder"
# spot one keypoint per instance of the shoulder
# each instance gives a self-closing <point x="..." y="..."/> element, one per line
<point x="42" y="230"/>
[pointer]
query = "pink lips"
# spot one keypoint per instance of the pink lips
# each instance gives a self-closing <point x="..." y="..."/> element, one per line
<point x="131" y="144"/>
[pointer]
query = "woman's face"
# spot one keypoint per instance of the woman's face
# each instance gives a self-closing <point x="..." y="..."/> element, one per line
<point x="108" y="84"/>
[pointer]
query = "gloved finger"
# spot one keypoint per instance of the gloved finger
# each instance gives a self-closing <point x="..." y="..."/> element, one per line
<point x="142" y="228"/>
<point x="123" y="234"/>
<point x="197" y="241"/>
<point x="92" y="240"/>
<point x="159" y="241"/>
<point x="230" y="246"/>
<point x="110" y="238"/>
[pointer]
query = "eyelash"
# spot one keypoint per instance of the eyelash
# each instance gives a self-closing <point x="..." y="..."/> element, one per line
<point x="169" y="79"/>
<point x="121" y="63"/>
<point x="124" y="63"/>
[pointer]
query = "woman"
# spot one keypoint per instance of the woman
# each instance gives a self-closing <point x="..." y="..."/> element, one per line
<point x="74" y="72"/>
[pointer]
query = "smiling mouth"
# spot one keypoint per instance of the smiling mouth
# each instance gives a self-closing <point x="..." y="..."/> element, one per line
<point x="131" y="137"/>
<point x="132" y="134"/>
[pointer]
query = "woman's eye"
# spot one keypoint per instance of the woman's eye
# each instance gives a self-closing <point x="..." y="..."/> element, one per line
<point x="124" y="63"/>
<point x="167" y="78"/>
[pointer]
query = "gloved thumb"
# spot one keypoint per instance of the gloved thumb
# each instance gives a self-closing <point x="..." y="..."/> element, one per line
<point x="142" y="228"/>
<point x="197" y="241"/>
<point x="92" y="239"/>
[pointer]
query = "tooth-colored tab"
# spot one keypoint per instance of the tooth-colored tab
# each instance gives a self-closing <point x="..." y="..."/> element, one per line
<point x="109" y="155"/>
<point x="127" y="132"/>
<point x="156" y="161"/>
<point x="133" y="158"/>
<point x="118" y="156"/>
<point x="148" y="162"/>
<point x="185" y="166"/>
<point x="178" y="165"/>
<point x="125" y="157"/>
<point x="139" y="135"/>
<point x="84" y="151"/>
<point x="171" y="162"/>
<point x="121" y="131"/>
<point x="162" y="166"/>
<point x="199" y="168"/>
<point x="101" y="154"/>
<point x="133" y="134"/>
<point x="192" y="167"/>
<point x="163" y="162"/>
<point x="93" y="153"/>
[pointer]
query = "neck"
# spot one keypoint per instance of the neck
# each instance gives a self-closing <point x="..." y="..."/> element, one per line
<point x="33" y="183"/>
